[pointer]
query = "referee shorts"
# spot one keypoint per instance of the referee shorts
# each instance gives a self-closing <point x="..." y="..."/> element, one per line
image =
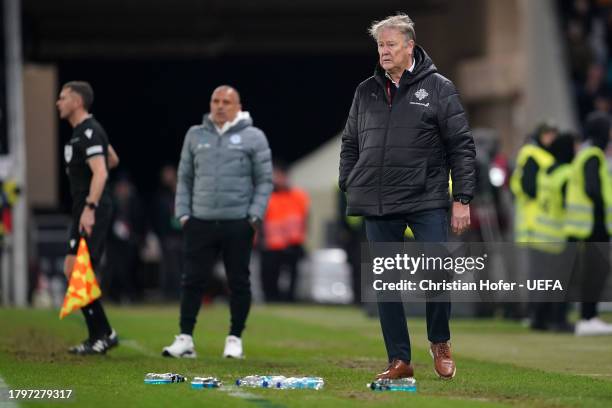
<point x="97" y="240"/>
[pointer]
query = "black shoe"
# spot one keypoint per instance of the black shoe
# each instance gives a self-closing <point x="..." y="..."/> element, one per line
<point x="112" y="340"/>
<point x="89" y="347"/>
<point x="96" y="346"/>
<point x="80" y="348"/>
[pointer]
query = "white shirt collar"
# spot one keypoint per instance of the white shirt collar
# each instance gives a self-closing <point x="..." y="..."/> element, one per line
<point x="227" y="125"/>
<point x="413" y="65"/>
<point x="409" y="70"/>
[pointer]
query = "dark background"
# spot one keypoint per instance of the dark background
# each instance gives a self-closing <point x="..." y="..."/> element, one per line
<point x="154" y="63"/>
<point x="147" y="106"/>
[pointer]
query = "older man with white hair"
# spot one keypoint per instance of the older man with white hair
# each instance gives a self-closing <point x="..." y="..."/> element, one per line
<point x="405" y="132"/>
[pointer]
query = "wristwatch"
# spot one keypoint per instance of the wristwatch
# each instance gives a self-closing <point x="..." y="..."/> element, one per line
<point x="462" y="199"/>
<point x="91" y="206"/>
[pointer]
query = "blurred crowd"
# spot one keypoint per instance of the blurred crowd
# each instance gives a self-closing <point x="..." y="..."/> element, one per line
<point x="587" y="27"/>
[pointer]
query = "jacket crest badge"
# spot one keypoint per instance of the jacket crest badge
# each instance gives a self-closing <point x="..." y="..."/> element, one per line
<point x="421" y="94"/>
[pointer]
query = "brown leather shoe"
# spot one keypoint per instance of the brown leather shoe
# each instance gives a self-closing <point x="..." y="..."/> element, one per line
<point x="397" y="369"/>
<point x="444" y="365"/>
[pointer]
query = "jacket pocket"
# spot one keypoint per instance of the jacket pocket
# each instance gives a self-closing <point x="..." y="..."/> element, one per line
<point x="410" y="177"/>
<point x="363" y="176"/>
<point x="351" y="176"/>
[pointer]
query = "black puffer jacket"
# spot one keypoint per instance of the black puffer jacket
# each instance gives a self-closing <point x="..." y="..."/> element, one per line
<point x="396" y="157"/>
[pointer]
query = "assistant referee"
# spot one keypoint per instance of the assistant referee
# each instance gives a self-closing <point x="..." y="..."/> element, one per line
<point x="88" y="156"/>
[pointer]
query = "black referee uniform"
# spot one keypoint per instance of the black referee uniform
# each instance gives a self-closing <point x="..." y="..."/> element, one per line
<point x="89" y="140"/>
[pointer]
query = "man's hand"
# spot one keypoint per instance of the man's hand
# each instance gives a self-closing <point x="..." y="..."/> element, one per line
<point x="255" y="223"/>
<point x="184" y="220"/>
<point x="87" y="221"/>
<point x="113" y="159"/>
<point x="460" y="219"/>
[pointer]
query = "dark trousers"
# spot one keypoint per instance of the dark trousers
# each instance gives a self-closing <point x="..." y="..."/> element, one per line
<point x="171" y="266"/>
<point x="352" y="245"/>
<point x="595" y="262"/>
<point x="121" y="280"/>
<point x="203" y="242"/>
<point x="95" y="317"/>
<point x="427" y="226"/>
<point x="546" y="265"/>
<point x="272" y="263"/>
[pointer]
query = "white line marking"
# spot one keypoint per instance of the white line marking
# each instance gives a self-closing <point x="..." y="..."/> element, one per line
<point x="136" y="346"/>
<point x="595" y="375"/>
<point x="238" y="393"/>
<point x="5" y="403"/>
<point x="235" y="391"/>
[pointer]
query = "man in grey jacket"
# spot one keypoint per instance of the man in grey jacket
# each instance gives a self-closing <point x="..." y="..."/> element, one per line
<point x="224" y="183"/>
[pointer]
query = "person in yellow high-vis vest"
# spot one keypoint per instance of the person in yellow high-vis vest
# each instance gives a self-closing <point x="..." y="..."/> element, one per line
<point x="589" y="220"/>
<point x="549" y="244"/>
<point x="532" y="162"/>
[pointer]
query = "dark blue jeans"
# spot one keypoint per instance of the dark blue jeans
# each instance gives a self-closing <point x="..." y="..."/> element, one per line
<point x="427" y="226"/>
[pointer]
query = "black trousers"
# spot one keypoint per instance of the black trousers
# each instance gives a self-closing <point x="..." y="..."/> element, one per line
<point x="171" y="266"/>
<point x="427" y="226"/>
<point x="95" y="317"/>
<point x="121" y="278"/>
<point x="594" y="257"/>
<point x="548" y="315"/>
<point x="204" y="241"/>
<point x="97" y="240"/>
<point x="272" y="263"/>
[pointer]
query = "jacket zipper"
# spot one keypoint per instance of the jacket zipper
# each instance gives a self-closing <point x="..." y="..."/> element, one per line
<point x="217" y="167"/>
<point x="382" y="160"/>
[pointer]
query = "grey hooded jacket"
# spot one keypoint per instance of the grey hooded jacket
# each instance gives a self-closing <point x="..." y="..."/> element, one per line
<point x="224" y="176"/>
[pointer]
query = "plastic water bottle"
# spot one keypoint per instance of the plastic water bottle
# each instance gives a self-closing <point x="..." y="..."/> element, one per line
<point x="254" y="381"/>
<point x="401" y="384"/>
<point x="205" y="382"/>
<point x="296" y="383"/>
<point x="165" y="378"/>
<point x="248" y="381"/>
<point x="274" y="380"/>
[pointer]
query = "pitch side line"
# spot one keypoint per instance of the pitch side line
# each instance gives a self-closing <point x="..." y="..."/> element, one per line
<point x="136" y="346"/>
<point x="235" y="392"/>
<point x="4" y="401"/>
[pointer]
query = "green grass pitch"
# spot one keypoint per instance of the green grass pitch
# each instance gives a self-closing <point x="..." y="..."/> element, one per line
<point x="499" y="363"/>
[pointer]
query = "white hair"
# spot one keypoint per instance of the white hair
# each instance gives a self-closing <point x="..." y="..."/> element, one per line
<point x="400" y="22"/>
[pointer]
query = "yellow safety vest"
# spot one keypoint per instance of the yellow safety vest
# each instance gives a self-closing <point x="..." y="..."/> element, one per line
<point x="579" y="209"/>
<point x="548" y="233"/>
<point x="527" y="208"/>
<point x="11" y="191"/>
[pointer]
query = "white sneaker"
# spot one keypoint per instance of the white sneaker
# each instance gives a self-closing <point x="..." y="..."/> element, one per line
<point x="181" y="348"/>
<point x="593" y="327"/>
<point x="233" y="347"/>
